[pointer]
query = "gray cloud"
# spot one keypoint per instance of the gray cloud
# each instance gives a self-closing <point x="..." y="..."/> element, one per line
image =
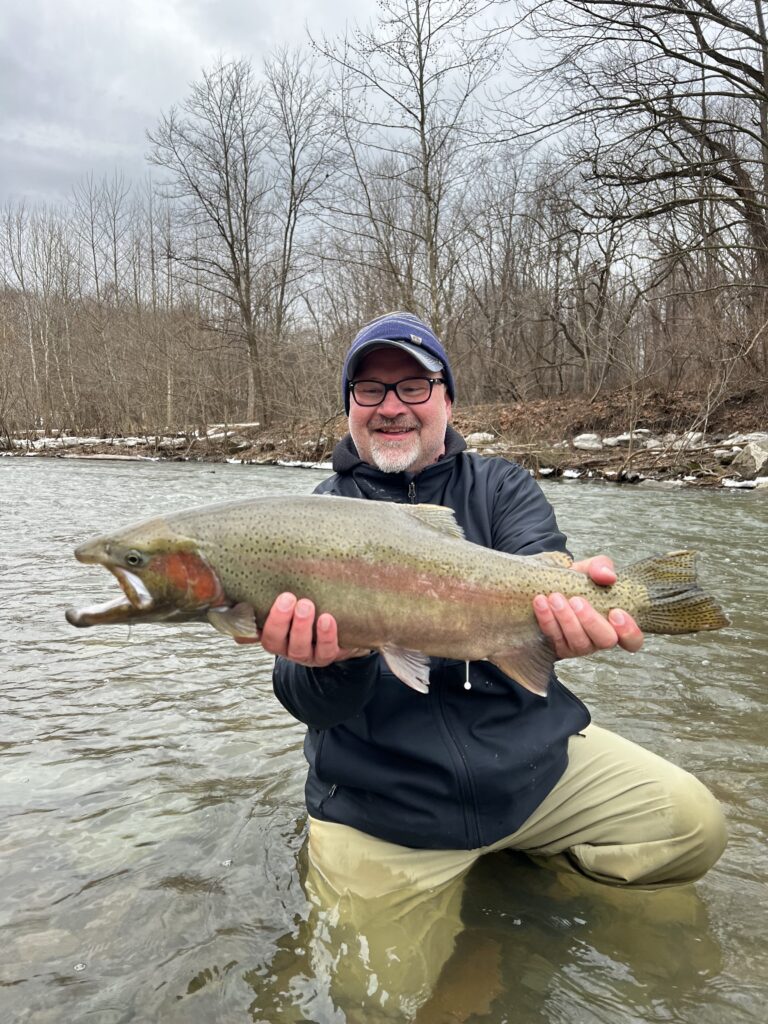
<point x="81" y="81"/>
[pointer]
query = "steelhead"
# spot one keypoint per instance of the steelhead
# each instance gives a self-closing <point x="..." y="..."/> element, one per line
<point x="401" y="579"/>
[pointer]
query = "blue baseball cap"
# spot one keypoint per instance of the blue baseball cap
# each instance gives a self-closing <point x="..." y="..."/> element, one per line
<point x="398" y="330"/>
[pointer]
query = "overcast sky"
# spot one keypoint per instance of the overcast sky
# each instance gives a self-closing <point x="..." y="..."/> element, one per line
<point x="82" y="80"/>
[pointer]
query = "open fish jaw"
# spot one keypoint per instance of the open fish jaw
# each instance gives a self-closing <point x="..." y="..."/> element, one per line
<point x="115" y="611"/>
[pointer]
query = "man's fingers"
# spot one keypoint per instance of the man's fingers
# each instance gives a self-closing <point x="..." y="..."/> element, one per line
<point x="301" y="637"/>
<point x="277" y="628"/>
<point x="591" y="631"/>
<point x="574" y="627"/>
<point x="292" y="632"/>
<point x="576" y="621"/>
<point x="327" y="645"/>
<point x="599" y="569"/>
<point x="629" y="633"/>
<point x="549" y="625"/>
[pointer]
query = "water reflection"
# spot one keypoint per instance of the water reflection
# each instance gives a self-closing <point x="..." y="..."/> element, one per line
<point x="153" y="816"/>
<point x="511" y="934"/>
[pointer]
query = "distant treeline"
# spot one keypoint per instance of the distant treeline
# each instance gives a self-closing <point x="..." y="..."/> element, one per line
<point x="589" y="216"/>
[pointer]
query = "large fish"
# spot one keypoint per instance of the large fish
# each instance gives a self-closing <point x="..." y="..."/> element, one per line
<point x="398" y="578"/>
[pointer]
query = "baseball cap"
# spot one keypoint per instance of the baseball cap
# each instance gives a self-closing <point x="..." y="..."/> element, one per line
<point x="398" y="330"/>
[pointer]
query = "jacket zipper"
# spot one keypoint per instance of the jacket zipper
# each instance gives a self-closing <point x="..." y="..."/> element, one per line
<point x="469" y="803"/>
<point x="327" y="797"/>
<point x="465" y="780"/>
<point x="332" y="789"/>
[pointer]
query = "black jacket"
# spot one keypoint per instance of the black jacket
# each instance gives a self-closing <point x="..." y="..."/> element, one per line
<point x="455" y="768"/>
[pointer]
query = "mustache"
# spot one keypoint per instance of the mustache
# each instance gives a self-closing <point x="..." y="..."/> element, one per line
<point x="392" y="423"/>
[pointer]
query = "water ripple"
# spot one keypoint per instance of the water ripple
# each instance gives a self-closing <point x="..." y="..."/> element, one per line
<point x="152" y="790"/>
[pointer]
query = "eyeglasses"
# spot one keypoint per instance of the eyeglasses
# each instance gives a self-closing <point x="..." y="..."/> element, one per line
<point x="411" y="391"/>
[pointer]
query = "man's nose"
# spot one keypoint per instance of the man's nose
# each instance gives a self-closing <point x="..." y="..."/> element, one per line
<point x="392" y="405"/>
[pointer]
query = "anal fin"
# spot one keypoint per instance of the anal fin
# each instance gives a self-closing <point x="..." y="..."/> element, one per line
<point x="529" y="664"/>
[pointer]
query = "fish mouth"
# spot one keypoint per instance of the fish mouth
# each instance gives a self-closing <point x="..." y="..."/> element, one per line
<point x="116" y="611"/>
<point x="139" y="603"/>
<point x="185" y="586"/>
<point x="134" y="589"/>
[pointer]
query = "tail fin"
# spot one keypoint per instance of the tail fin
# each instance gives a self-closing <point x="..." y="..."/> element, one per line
<point x="676" y="603"/>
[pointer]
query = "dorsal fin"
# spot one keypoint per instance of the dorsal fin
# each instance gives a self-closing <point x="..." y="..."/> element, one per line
<point x="559" y="559"/>
<point x="438" y="517"/>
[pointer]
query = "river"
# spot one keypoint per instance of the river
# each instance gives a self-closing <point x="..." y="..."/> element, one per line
<point x="151" y="789"/>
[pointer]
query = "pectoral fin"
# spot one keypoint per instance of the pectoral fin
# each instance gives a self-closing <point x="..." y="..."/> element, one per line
<point x="411" y="667"/>
<point x="529" y="664"/>
<point x="237" y="621"/>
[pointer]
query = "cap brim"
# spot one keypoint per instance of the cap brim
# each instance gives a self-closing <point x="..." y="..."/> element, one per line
<point x="427" y="360"/>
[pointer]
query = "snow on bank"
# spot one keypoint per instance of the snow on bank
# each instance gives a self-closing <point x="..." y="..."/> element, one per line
<point x="650" y="460"/>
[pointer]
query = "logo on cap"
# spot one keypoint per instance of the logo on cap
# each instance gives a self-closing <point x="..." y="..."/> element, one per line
<point x="415" y="339"/>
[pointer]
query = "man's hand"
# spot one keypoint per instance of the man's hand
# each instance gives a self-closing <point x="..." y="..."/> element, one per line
<point x="290" y="630"/>
<point x="575" y="628"/>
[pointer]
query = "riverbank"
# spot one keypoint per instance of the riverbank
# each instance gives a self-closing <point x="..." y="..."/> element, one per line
<point x="670" y="440"/>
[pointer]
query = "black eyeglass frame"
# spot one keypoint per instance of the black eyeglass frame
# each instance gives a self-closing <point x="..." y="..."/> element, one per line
<point x="393" y="387"/>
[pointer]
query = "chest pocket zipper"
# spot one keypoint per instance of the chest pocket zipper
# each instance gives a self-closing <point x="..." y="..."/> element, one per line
<point x="327" y="796"/>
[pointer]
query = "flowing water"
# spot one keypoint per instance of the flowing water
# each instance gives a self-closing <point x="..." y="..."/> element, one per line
<point x="151" y="789"/>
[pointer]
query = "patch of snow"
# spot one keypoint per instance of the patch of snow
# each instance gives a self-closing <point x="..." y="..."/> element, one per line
<point x="292" y="464"/>
<point x="742" y="485"/>
<point x="760" y="436"/>
<point x="588" y="442"/>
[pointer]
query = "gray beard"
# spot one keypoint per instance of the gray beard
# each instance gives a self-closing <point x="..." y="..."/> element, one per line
<point x="393" y="461"/>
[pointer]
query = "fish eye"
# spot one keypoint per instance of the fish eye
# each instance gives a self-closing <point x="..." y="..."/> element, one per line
<point x="134" y="559"/>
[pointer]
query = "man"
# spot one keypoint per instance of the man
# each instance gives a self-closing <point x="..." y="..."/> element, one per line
<point x="405" y="791"/>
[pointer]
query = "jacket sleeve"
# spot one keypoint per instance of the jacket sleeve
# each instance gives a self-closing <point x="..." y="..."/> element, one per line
<point x="524" y="522"/>
<point x="324" y="697"/>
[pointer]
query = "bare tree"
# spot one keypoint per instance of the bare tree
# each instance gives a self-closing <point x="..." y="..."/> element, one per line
<point x="37" y="267"/>
<point x="407" y="90"/>
<point x="303" y="136"/>
<point x="213" y="148"/>
<point x="670" y="104"/>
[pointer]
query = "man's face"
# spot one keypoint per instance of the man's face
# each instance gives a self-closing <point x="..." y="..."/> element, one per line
<point x="393" y="436"/>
